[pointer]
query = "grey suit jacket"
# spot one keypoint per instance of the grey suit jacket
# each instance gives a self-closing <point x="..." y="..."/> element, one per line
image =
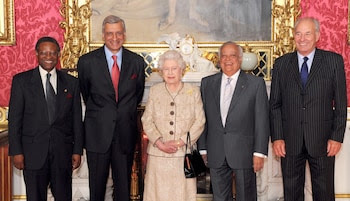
<point x="314" y="114"/>
<point x="247" y="124"/>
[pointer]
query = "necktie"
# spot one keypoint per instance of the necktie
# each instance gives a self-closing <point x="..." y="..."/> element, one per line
<point x="50" y="99"/>
<point x="115" y="76"/>
<point x="304" y="72"/>
<point x="226" y="100"/>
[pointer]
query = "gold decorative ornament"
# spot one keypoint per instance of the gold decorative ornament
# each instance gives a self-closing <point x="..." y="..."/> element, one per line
<point x="285" y="15"/>
<point x="76" y="32"/>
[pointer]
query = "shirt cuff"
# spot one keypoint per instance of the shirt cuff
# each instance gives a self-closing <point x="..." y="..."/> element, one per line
<point x="259" y="155"/>
<point x="203" y="152"/>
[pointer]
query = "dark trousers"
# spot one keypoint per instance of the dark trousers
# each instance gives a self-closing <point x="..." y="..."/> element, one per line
<point x="53" y="173"/>
<point x="221" y="179"/>
<point x="99" y="165"/>
<point x="322" y="177"/>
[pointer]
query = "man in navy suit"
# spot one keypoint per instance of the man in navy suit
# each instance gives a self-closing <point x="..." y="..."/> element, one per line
<point x="308" y="113"/>
<point x="46" y="145"/>
<point x="111" y="110"/>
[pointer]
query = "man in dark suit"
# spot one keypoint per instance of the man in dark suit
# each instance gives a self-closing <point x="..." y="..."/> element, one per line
<point x="45" y="137"/>
<point x="111" y="110"/>
<point x="308" y="113"/>
<point x="237" y="128"/>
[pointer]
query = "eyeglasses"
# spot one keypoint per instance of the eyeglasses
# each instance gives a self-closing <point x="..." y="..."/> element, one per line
<point x="46" y="53"/>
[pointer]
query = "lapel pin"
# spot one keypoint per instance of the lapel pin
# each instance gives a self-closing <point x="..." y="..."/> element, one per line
<point x="65" y="90"/>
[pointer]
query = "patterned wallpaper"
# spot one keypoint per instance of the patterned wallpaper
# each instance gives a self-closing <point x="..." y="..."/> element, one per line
<point x="30" y="26"/>
<point x="33" y="19"/>
<point x="333" y="17"/>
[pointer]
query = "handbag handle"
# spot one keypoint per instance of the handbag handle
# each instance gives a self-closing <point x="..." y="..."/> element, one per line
<point x="188" y="143"/>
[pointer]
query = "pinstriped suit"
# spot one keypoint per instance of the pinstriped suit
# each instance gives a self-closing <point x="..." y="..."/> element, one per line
<point x="307" y="118"/>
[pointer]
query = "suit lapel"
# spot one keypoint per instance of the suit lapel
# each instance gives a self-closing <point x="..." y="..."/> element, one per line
<point x="61" y="92"/>
<point x="216" y="88"/>
<point x="294" y="66"/>
<point x="101" y="60"/>
<point x="38" y="90"/>
<point x="315" y="67"/>
<point x="241" y="85"/>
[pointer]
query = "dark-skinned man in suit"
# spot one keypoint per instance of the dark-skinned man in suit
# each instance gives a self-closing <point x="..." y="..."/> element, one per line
<point x="308" y="113"/>
<point x="46" y="145"/>
<point x="112" y="82"/>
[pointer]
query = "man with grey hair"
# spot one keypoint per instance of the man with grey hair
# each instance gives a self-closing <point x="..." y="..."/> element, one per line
<point x="112" y="83"/>
<point x="235" y="138"/>
<point x="308" y="113"/>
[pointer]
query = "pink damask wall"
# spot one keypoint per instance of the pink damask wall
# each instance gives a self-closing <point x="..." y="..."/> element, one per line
<point x="36" y="18"/>
<point x="333" y="17"/>
<point x="33" y="19"/>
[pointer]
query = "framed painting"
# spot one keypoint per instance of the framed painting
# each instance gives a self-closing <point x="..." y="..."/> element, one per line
<point x="205" y="20"/>
<point x="7" y="27"/>
<point x="263" y="27"/>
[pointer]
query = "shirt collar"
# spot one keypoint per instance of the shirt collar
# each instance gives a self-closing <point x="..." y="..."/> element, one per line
<point x="309" y="56"/>
<point x="43" y="72"/>
<point x="234" y="76"/>
<point x="109" y="54"/>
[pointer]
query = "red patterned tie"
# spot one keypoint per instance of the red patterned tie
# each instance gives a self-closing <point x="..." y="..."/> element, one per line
<point x="115" y="76"/>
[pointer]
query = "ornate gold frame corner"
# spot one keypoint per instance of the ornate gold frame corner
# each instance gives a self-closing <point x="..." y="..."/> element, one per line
<point x="77" y="38"/>
<point x="3" y="119"/>
<point x="7" y="25"/>
<point x="76" y="14"/>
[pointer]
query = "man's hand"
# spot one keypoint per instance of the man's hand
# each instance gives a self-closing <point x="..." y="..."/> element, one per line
<point x="18" y="161"/>
<point x="258" y="163"/>
<point x="205" y="158"/>
<point x="279" y="148"/>
<point x="76" y="160"/>
<point x="333" y="147"/>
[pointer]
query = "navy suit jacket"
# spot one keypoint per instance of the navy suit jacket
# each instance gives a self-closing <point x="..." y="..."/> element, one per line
<point x="29" y="130"/>
<point x="312" y="115"/>
<point x="104" y="115"/>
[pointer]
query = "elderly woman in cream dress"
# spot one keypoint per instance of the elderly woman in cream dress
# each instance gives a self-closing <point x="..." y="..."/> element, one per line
<point x="173" y="109"/>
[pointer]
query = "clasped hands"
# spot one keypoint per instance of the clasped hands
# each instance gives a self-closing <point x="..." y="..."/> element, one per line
<point x="170" y="146"/>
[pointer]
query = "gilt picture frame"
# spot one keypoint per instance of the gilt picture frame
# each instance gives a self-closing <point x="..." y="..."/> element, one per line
<point x="80" y="27"/>
<point x="7" y="25"/>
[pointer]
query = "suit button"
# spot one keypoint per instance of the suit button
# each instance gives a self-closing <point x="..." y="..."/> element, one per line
<point x="172" y="103"/>
<point x="172" y="113"/>
<point x="304" y="108"/>
<point x="171" y="123"/>
<point x="171" y="132"/>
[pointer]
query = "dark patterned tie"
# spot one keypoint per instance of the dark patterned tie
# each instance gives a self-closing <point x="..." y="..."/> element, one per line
<point x="304" y="72"/>
<point x="50" y="99"/>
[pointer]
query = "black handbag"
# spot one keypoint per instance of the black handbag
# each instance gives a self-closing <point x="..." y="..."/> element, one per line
<point x="193" y="164"/>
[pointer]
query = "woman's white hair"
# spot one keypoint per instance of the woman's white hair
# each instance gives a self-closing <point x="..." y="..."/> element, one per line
<point x="171" y="55"/>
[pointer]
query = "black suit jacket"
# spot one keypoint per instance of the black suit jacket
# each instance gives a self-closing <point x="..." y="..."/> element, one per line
<point x="314" y="114"/>
<point x="29" y="130"/>
<point x="103" y="114"/>
<point x="247" y="123"/>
